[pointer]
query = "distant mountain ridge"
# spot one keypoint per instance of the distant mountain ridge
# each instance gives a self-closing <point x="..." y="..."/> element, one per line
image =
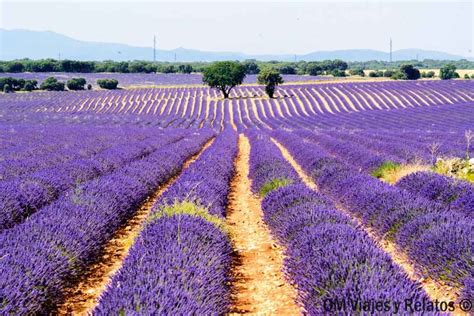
<point x="16" y="44"/>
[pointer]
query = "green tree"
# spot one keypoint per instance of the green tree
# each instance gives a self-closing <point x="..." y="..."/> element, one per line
<point x="224" y="75"/>
<point x="76" y="83"/>
<point x="15" y="66"/>
<point x="357" y="72"/>
<point x="314" y="69"/>
<point x="271" y="78"/>
<point x="52" y="84"/>
<point x="30" y="85"/>
<point x="287" y="70"/>
<point x="108" y="84"/>
<point x="447" y="72"/>
<point x="251" y="67"/>
<point x="408" y="72"/>
<point x="185" y="69"/>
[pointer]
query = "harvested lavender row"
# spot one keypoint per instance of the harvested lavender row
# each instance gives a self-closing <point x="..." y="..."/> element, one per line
<point x="308" y="224"/>
<point x="438" y="241"/>
<point x="179" y="265"/>
<point x="456" y="195"/>
<point x="47" y="252"/>
<point x="21" y="198"/>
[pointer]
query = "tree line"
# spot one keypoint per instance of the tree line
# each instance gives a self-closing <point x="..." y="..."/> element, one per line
<point x="9" y="84"/>
<point x="326" y="67"/>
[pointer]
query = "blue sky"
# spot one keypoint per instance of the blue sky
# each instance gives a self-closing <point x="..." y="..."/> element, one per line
<point x="264" y="27"/>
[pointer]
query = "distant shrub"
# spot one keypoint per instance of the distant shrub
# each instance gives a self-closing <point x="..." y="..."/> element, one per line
<point x="447" y="72"/>
<point x="167" y="69"/>
<point x="409" y="72"/>
<point x="251" y="67"/>
<point x="388" y="73"/>
<point x="89" y="86"/>
<point x="472" y="76"/>
<point x="466" y="76"/>
<point x="30" y="85"/>
<point x="76" y="83"/>
<point x="314" y="69"/>
<point x="52" y="84"/>
<point x="7" y="88"/>
<point x="108" y="84"/>
<point x="429" y="74"/>
<point x="338" y="73"/>
<point x="357" y="72"/>
<point x="185" y="69"/>
<point x="375" y="74"/>
<point x="287" y="70"/>
<point x="18" y="84"/>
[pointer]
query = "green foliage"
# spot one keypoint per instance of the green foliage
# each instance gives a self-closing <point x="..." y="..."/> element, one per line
<point x="167" y="69"/>
<point x="108" y="84"/>
<point x="187" y="208"/>
<point x="52" y="84"/>
<point x="388" y="73"/>
<point x="386" y="167"/>
<point x="472" y="76"/>
<point x="287" y="70"/>
<point x="224" y="75"/>
<point x="357" y="72"/>
<point x="314" y="69"/>
<point x="7" y="88"/>
<point x="251" y="67"/>
<point x="89" y="86"/>
<point x="271" y="78"/>
<point x="185" y="69"/>
<point x="466" y="76"/>
<point x="447" y="72"/>
<point x="429" y="74"/>
<point x="273" y="185"/>
<point x="338" y="73"/>
<point x="17" y="84"/>
<point x="14" y="67"/>
<point x="76" y="83"/>
<point x="376" y="74"/>
<point x="30" y="85"/>
<point x="409" y="72"/>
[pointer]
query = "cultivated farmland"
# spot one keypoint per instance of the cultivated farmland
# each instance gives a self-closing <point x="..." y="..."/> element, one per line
<point x="172" y="200"/>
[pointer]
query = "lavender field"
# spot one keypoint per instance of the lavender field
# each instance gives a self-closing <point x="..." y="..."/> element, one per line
<point x="175" y="201"/>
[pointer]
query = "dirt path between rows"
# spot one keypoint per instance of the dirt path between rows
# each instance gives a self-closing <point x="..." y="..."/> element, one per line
<point x="259" y="285"/>
<point x="83" y="297"/>
<point x="434" y="289"/>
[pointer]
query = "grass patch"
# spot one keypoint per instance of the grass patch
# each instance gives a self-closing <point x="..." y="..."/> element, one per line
<point x="187" y="208"/>
<point x="274" y="184"/>
<point x="385" y="168"/>
<point x="391" y="172"/>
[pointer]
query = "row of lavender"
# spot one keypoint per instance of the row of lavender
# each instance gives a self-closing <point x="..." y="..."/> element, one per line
<point x="369" y="154"/>
<point x="439" y="240"/>
<point x="48" y="251"/>
<point x="180" y="263"/>
<point x="300" y="101"/>
<point x="19" y="198"/>
<point x="327" y="255"/>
